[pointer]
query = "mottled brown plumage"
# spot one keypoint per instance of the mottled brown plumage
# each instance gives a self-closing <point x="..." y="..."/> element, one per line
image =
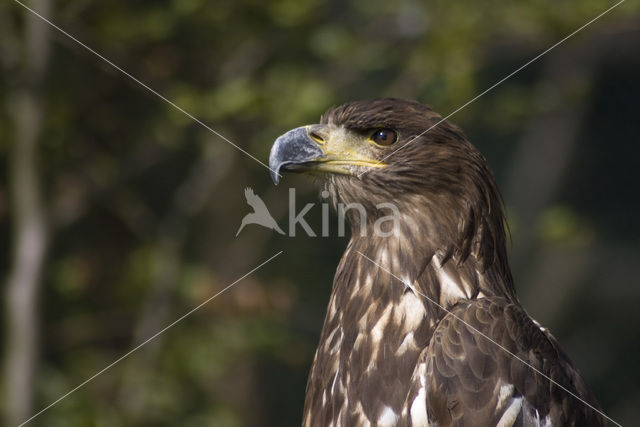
<point x="402" y="342"/>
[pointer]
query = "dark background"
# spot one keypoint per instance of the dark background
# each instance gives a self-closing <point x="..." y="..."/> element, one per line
<point x="138" y="206"/>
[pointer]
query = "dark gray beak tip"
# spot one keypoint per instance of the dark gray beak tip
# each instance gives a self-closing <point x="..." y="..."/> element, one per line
<point x="275" y="176"/>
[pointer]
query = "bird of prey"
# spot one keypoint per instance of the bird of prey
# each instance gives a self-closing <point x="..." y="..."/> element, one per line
<point x="260" y="214"/>
<point x="423" y="326"/>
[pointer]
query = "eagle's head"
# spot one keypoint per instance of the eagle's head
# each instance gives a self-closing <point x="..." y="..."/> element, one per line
<point x="384" y="150"/>
<point x="402" y="152"/>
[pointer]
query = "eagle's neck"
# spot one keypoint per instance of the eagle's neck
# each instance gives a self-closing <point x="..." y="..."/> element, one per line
<point x="381" y="269"/>
<point x="388" y="295"/>
<point x="442" y="256"/>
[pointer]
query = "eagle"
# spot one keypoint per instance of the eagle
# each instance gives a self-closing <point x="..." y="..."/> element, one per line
<point x="423" y="326"/>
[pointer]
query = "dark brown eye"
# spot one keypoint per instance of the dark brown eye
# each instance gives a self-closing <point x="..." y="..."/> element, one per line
<point x="384" y="137"/>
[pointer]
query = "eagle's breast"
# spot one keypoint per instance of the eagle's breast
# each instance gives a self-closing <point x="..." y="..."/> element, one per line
<point x="374" y="332"/>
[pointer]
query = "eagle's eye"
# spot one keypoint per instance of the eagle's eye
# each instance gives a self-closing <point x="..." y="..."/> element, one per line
<point x="384" y="137"/>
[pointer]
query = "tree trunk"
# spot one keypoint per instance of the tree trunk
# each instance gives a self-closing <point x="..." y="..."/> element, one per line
<point x="29" y="225"/>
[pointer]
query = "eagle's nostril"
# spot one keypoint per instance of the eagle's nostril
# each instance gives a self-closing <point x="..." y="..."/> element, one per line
<point x="317" y="137"/>
<point x="319" y="133"/>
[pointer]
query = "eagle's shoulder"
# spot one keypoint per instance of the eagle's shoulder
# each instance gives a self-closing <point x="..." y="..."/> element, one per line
<point x="489" y="363"/>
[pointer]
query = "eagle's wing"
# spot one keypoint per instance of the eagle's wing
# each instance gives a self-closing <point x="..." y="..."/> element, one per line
<point x="464" y="378"/>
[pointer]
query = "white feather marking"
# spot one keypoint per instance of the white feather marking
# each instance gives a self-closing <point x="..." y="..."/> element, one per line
<point x="532" y="416"/>
<point x="335" y="379"/>
<point x="511" y="413"/>
<point x="332" y="308"/>
<point x="368" y="280"/>
<point x="384" y="257"/>
<point x="363" y="420"/>
<point x="506" y="391"/>
<point x="542" y="328"/>
<point x="388" y="417"/>
<point x="378" y="330"/>
<point x="362" y="323"/>
<point x="355" y="288"/>
<point x="329" y="339"/>
<point x="419" y="409"/>
<point x="358" y="341"/>
<point x="408" y="343"/>
<point x="450" y="291"/>
<point x="336" y="346"/>
<point x="393" y="259"/>
<point x="410" y="312"/>
<point x="407" y="282"/>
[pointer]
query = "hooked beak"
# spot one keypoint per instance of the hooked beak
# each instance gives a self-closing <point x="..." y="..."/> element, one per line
<point x="321" y="149"/>
<point x="294" y="149"/>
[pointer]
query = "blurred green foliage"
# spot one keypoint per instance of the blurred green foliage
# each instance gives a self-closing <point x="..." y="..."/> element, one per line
<point x="144" y="203"/>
